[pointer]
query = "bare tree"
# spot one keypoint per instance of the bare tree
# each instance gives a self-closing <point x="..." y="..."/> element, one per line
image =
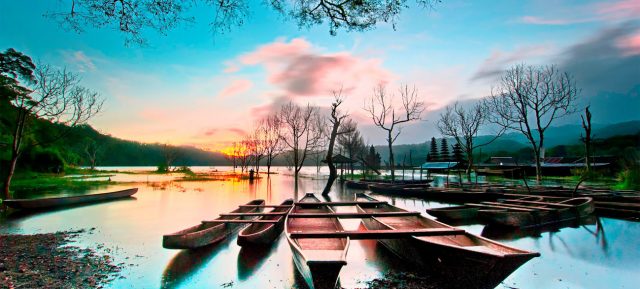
<point x="463" y="125"/>
<point x="353" y="144"/>
<point x="586" y="125"/>
<point x="243" y="153"/>
<point x="389" y="118"/>
<point x="256" y="145"/>
<point x="528" y="99"/>
<point x="92" y="148"/>
<point x="340" y="125"/>
<point x="273" y="145"/>
<point x="54" y="95"/>
<point x="298" y="133"/>
<point x="169" y="154"/>
<point x="132" y="17"/>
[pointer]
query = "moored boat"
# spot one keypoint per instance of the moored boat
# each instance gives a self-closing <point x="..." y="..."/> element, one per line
<point x="47" y="203"/>
<point x="208" y="233"/>
<point x="265" y="233"/>
<point x="360" y="185"/>
<point x="319" y="260"/>
<point x="466" y="212"/>
<point x="466" y="260"/>
<point x="517" y="213"/>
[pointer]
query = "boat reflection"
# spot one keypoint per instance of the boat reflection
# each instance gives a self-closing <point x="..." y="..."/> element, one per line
<point x="251" y="258"/>
<point x="187" y="263"/>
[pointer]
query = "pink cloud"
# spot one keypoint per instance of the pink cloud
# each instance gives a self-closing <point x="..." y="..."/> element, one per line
<point x="231" y="67"/>
<point x="215" y="131"/>
<point x="630" y="45"/>
<point x="237" y="86"/>
<point x="542" y="21"/>
<point x="498" y="61"/>
<point x="625" y="9"/>
<point x="299" y="70"/>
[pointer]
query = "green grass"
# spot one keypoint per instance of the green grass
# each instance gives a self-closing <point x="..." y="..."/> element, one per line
<point x="41" y="181"/>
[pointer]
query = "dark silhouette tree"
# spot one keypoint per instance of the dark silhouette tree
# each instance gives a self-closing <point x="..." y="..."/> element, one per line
<point x="385" y="116"/>
<point x="527" y="99"/>
<point x="433" y="155"/>
<point x="444" y="150"/>
<point x="458" y="154"/>
<point x="300" y="133"/>
<point x="353" y="145"/>
<point x="132" y="17"/>
<point x="586" y="139"/>
<point x="340" y="124"/>
<point x="271" y="131"/>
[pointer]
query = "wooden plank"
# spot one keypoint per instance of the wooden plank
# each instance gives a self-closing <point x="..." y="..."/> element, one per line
<point x="243" y="221"/>
<point x="520" y="206"/>
<point x="540" y="203"/>
<point x="379" y="234"/>
<point x="353" y="215"/>
<point x="253" y="214"/>
<point x="265" y="206"/>
<point x="499" y="207"/>
<point x="340" y="203"/>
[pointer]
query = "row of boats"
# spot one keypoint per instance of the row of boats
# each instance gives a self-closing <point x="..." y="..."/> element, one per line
<point x="320" y="244"/>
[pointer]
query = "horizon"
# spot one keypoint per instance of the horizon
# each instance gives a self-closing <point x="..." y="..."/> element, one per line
<point x="196" y="89"/>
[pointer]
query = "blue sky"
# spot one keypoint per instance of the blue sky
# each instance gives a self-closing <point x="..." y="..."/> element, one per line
<point x="192" y="87"/>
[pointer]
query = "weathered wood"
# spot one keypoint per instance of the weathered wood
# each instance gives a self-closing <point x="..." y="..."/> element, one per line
<point x="253" y="214"/>
<point x="240" y="221"/>
<point x="540" y="203"/>
<point x="379" y="234"/>
<point x="520" y="206"/>
<point x="499" y="207"/>
<point x="265" y="206"/>
<point x="339" y="203"/>
<point x="353" y="215"/>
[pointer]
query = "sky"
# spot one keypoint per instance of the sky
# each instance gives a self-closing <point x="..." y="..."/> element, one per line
<point x="191" y="87"/>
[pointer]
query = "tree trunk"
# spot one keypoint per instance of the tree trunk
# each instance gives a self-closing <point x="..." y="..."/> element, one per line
<point x="333" y="173"/>
<point x="391" y="159"/>
<point x="469" y="164"/>
<point x="536" y="153"/>
<point x="6" y="194"/>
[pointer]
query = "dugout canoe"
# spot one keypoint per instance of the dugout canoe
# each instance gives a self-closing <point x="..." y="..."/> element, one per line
<point x="523" y="214"/>
<point x="464" y="212"/>
<point x="265" y="233"/>
<point x="208" y="233"/>
<point x="466" y="260"/>
<point x="47" y="203"/>
<point x="319" y="260"/>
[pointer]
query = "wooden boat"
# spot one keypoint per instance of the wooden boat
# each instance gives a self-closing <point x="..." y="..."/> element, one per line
<point x="265" y="233"/>
<point x="47" y="203"/>
<point x="499" y="232"/>
<point x="360" y="185"/>
<point x="318" y="260"/>
<point x="457" y="195"/>
<point x="466" y="260"/>
<point x="207" y="232"/>
<point x="466" y="212"/>
<point x="518" y="213"/>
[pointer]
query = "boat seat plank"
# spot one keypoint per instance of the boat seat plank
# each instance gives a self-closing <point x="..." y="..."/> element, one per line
<point x="352" y="215"/>
<point x="378" y="234"/>
<point x="540" y="203"/>
<point x="242" y="221"/>
<point x="339" y="203"/>
<point x="265" y="206"/>
<point x="253" y="214"/>
<point x="520" y="206"/>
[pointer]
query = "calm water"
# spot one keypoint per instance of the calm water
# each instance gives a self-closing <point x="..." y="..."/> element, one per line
<point x="601" y="253"/>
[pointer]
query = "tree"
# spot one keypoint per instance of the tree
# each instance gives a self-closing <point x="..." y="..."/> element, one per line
<point x="271" y="132"/>
<point x="528" y="99"/>
<point x="169" y="154"/>
<point x="463" y="125"/>
<point x="353" y="144"/>
<point x="340" y="125"/>
<point x="384" y="115"/>
<point x="372" y="159"/>
<point x="444" y="151"/>
<point x="54" y="95"/>
<point x="433" y="155"/>
<point x="91" y="149"/>
<point x="132" y="17"/>
<point x="586" y="139"/>
<point x="299" y="133"/>
<point x="458" y="155"/>
<point x="256" y="145"/>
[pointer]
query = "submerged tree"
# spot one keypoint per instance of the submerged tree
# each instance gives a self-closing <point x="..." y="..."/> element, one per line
<point x="528" y="99"/>
<point x="340" y="125"/>
<point x="132" y="17"/>
<point x="390" y="118"/>
<point x="45" y="93"/>
<point x="586" y="139"/>
<point x="463" y="125"/>
<point x="271" y="127"/>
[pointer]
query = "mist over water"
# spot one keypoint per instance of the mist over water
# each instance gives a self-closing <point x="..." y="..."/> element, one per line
<point x="598" y="253"/>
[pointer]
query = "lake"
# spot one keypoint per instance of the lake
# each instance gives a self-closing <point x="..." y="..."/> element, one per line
<point x="599" y="253"/>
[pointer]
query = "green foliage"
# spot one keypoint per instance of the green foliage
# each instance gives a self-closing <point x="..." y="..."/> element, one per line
<point x="45" y="160"/>
<point x="162" y="168"/>
<point x="629" y="179"/>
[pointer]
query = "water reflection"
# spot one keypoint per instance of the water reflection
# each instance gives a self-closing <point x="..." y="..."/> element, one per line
<point x="187" y="263"/>
<point x="579" y="256"/>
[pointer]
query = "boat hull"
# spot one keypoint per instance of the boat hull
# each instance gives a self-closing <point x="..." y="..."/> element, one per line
<point x="264" y="234"/>
<point x="38" y="204"/>
<point x="539" y="217"/>
<point x="206" y="233"/>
